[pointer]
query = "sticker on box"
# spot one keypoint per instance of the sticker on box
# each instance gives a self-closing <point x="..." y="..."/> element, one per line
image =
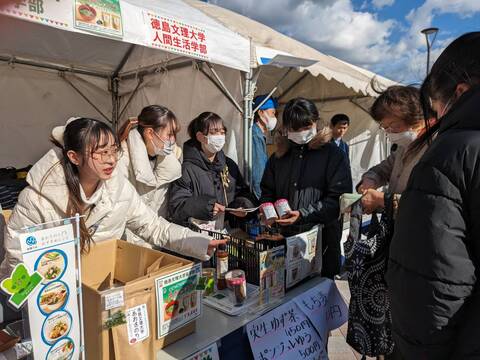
<point x="137" y="324"/>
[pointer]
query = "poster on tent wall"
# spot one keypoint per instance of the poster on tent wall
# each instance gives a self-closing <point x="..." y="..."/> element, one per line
<point x="176" y="36"/>
<point x="53" y="308"/>
<point x="48" y="12"/>
<point x="99" y="16"/>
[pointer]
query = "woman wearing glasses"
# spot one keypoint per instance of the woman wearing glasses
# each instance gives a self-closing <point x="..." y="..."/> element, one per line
<point x="77" y="177"/>
<point x="150" y="159"/>
<point x="399" y="113"/>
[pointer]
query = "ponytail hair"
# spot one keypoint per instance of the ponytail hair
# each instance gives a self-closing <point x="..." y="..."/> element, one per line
<point x="152" y="116"/>
<point x="84" y="136"/>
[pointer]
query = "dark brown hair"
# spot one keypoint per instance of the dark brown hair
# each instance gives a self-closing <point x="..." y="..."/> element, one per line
<point x="152" y="116"/>
<point x="400" y="102"/>
<point x="203" y="123"/>
<point x="299" y="113"/>
<point x="458" y="63"/>
<point x="84" y="136"/>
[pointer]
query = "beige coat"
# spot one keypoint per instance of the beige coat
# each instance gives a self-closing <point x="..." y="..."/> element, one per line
<point x="117" y="207"/>
<point x="395" y="170"/>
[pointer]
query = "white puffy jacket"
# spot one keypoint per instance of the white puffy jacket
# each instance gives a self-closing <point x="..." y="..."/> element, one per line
<point x="117" y="207"/>
<point x="151" y="184"/>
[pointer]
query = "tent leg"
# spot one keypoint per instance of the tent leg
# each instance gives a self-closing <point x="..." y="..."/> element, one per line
<point x="114" y="82"/>
<point x="247" y="126"/>
<point x="62" y="75"/>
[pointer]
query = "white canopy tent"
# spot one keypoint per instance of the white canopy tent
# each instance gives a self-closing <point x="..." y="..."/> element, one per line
<point x="57" y="71"/>
<point x="54" y="74"/>
<point x="286" y="68"/>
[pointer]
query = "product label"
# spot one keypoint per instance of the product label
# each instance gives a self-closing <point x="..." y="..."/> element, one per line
<point x="137" y="324"/>
<point x="114" y="300"/>
<point x="222" y="267"/>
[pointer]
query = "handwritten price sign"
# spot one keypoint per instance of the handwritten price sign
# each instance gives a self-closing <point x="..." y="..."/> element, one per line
<point x="285" y="333"/>
<point x="299" y="328"/>
<point x="324" y="306"/>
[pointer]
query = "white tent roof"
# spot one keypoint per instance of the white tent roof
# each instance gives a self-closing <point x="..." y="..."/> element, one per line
<point x="103" y="52"/>
<point x="262" y="36"/>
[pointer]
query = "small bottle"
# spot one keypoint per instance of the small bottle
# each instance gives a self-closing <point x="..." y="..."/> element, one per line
<point x="222" y="266"/>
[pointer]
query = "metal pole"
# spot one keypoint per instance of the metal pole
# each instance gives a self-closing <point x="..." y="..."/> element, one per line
<point x="79" y="285"/>
<point x="62" y="75"/>
<point x="428" y="54"/>
<point x="247" y="102"/>
<point x="224" y="87"/>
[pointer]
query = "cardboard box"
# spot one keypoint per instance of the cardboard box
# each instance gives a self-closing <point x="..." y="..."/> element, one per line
<point x="134" y="269"/>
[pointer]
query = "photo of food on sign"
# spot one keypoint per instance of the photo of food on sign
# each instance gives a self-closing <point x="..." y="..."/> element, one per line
<point x="62" y="350"/>
<point x="51" y="265"/>
<point x="179" y="298"/>
<point x="57" y="325"/>
<point x="53" y="297"/>
<point x="104" y="13"/>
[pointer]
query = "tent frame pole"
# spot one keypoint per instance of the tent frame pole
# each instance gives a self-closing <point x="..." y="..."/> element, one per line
<point x="114" y="88"/>
<point x="273" y="90"/>
<point x="134" y="92"/>
<point x="294" y="84"/>
<point x="46" y="65"/>
<point x="62" y="75"/>
<point x="154" y="69"/>
<point x="247" y="127"/>
<point x="224" y="88"/>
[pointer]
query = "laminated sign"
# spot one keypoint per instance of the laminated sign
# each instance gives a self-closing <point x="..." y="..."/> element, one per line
<point x="53" y="307"/>
<point x="178" y="301"/>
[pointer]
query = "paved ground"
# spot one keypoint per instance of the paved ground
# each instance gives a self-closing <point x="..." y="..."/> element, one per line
<point x="338" y="349"/>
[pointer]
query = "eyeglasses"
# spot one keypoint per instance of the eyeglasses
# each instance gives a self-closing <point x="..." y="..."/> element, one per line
<point x="393" y="127"/>
<point x="105" y="155"/>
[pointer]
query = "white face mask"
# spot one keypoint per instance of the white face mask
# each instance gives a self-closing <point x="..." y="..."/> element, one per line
<point x="270" y="122"/>
<point x="302" y="137"/>
<point x="215" y="143"/>
<point x="168" y="147"/>
<point x="402" y="139"/>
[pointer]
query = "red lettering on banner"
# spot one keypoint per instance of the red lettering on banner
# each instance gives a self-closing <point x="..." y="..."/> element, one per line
<point x="167" y="39"/>
<point x="165" y="27"/>
<point x="184" y="32"/>
<point x="175" y="30"/>
<point x="193" y="35"/>
<point x="186" y="44"/>
<point x="194" y="46"/>
<point x="157" y="37"/>
<point x="201" y="37"/>
<point x="177" y="42"/>
<point x="203" y="49"/>
<point x="155" y="24"/>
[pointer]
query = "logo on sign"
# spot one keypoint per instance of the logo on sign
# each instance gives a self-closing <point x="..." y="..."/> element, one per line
<point x="31" y="240"/>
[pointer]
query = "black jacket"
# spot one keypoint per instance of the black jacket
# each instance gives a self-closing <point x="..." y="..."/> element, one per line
<point x="433" y="267"/>
<point x="311" y="177"/>
<point x="200" y="187"/>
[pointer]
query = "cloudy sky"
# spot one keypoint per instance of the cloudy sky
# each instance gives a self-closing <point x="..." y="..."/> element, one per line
<point x="381" y="35"/>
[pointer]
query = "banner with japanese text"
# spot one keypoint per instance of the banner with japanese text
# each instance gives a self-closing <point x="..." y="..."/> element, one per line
<point x="56" y="13"/>
<point x="176" y="36"/>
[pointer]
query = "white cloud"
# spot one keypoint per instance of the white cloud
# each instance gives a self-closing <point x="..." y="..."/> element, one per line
<point x="332" y="26"/>
<point x="358" y="36"/>
<point x="379" y="4"/>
